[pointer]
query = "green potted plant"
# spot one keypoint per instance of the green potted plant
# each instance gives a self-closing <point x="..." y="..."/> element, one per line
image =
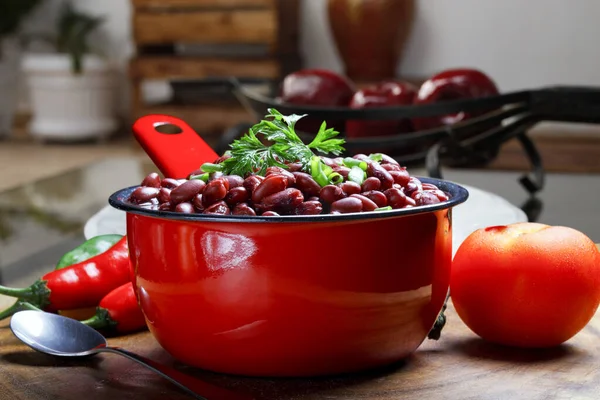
<point x="12" y="13"/>
<point x="72" y="88"/>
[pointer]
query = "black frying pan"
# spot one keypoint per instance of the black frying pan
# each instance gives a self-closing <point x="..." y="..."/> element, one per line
<point x="472" y="142"/>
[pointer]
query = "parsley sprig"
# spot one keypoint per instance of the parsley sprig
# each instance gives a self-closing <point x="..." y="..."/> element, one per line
<point x="250" y="155"/>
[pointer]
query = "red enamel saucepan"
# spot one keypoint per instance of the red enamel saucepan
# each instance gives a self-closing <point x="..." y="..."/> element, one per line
<point x="288" y="295"/>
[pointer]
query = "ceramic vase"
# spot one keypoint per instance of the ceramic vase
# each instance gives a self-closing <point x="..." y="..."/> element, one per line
<point x="370" y="35"/>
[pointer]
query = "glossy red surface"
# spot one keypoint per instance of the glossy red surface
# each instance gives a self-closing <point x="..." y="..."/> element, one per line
<point x="291" y="299"/>
<point x="175" y="154"/>
<point x="383" y="94"/>
<point x="452" y="84"/>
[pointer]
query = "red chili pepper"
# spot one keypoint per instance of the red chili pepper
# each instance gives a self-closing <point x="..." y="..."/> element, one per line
<point x="78" y="286"/>
<point x="118" y="310"/>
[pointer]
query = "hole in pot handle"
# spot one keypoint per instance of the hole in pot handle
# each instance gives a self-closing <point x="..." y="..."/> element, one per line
<point x="167" y="128"/>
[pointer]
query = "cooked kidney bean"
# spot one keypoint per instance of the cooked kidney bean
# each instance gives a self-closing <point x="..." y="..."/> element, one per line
<point x="143" y="194"/>
<point x="362" y="157"/>
<point x="395" y="197"/>
<point x="152" y="180"/>
<point x="219" y="207"/>
<point x="293" y="167"/>
<point x="165" y="207"/>
<point x="376" y="170"/>
<point x="385" y="159"/>
<point x="376" y="197"/>
<point x="328" y="161"/>
<point x="185" y="207"/>
<point x="426" y="198"/>
<point x="214" y="191"/>
<point x="401" y="177"/>
<point x="280" y="171"/>
<point x="270" y="214"/>
<point x="234" y="180"/>
<point x="164" y="195"/>
<point x="243" y="209"/>
<point x="288" y="191"/>
<point x="186" y="191"/>
<point x="371" y="183"/>
<point x="236" y="195"/>
<point x="222" y="158"/>
<point x="391" y="167"/>
<point x="347" y="205"/>
<point x="367" y="204"/>
<point x="197" y="202"/>
<point x="251" y="182"/>
<point x="271" y="184"/>
<point x="351" y="188"/>
<point x="412" y="186"/>
<point x="331" y="193"/>
<point x="170" y="183"/>
<point x="440" y="195"/>
<point x="282" y="201"/>
<point x="310" y="207"/>
<point x="307" y="184"/>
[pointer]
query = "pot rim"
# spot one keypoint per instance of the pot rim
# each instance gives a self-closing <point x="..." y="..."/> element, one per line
<point x="458" y="196"/>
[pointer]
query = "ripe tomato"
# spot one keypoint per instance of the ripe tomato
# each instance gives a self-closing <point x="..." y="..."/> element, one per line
<point x="526" y="284"/>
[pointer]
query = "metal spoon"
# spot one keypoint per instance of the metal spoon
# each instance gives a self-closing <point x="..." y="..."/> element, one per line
<point x="65" y="337"/>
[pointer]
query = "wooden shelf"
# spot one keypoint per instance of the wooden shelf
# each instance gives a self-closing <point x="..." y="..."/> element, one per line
<point x="218" y="26"/>
<point x="196" y="4"/>
<point x="165" y="30"/>
<point x="169" y="67"/>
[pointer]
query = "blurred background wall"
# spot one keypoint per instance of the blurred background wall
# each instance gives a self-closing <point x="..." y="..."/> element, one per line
<point x="519" y="43"/>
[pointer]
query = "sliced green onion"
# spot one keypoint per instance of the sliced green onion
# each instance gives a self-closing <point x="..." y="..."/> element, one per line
<point x="317" y="171"/>
<point x="357" y="175"/>
<point x="210" y="167"/>
<point x="353" y="162"/>
<point x="335" y="178"/>
<point x="203" y="177"/>
<point x="326" y="168"/>
<point x="383" y="208"/>
<point x="376" y="157"/>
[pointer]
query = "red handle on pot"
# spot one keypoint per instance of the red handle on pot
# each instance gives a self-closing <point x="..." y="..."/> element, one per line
<point x="172" y="145"/>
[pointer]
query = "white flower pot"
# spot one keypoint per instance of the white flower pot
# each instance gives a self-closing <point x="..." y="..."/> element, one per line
<point x="66" y="106"/>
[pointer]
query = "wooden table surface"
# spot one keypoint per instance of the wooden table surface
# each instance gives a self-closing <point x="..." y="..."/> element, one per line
<point x="458" y="366"/>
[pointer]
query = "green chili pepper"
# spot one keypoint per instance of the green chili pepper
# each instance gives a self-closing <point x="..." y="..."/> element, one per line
<point x="353" y="162"/>
<point x="383" y="208"/>
<point x="357" y="175"/>
<point x="210" y="167"/>
<point x="203" y="177"/>
<point x="90" y="248"/>
<point x="376" y="157"/>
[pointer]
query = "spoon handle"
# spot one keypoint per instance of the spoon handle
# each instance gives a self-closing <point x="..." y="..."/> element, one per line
<point x="176" y="377"/>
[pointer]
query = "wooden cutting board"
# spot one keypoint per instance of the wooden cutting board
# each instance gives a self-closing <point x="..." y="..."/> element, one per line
<point x="458" y="366"/>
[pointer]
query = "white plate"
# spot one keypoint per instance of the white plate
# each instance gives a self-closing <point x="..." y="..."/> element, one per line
<point x="481" y="210"/>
